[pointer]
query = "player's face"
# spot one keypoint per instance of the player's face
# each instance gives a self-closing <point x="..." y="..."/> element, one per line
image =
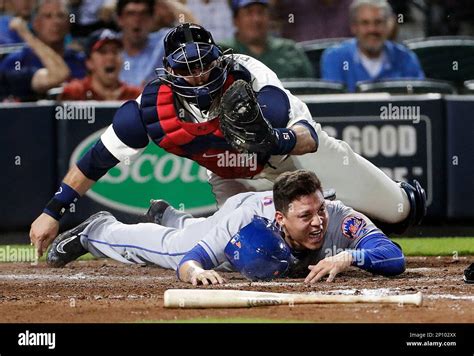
<point x="371" y="29"/>
<point x="105" y="64"/>
<point x="305" y="222"/>
<point x="198" y="76"/>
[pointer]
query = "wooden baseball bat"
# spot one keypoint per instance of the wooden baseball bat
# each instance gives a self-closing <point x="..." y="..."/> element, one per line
<point x="229" y="298"/>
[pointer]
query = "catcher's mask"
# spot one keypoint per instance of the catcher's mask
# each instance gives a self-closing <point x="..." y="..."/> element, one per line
<point x="190" y="52"/>
<point x="259" y="252"/>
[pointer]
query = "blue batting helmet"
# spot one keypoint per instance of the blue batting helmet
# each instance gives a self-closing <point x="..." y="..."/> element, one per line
<point x="259" y="252"/>
<point x="190" y="51"/>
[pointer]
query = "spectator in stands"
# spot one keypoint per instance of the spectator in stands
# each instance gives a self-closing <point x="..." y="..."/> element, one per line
<point x="20" y="69"/>
<point x="91" y="15"/>
<point x="283" y="56"/>
<point x="164" y="14"/>
<point x="369" y="56"/>
<point x="22" y="9"/>
<point x="143" y="51"/>
<point x="104" y="63"/>
<point x="303" y="20"/>
<point x="169" y="13"/>
<point x="215" y="16"/>
<point x="449" y="18"/>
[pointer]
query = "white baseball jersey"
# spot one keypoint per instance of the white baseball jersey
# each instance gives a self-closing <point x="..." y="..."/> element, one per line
<point x="358" y="183"/>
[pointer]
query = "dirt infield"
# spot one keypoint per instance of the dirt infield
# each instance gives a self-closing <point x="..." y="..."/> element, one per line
<point x="105" y="291"/>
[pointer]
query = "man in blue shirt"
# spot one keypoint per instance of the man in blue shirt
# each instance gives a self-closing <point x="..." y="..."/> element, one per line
<point x="143" y="51"/>
<point x="51" y="25"/>
<point x="369" y="56"/>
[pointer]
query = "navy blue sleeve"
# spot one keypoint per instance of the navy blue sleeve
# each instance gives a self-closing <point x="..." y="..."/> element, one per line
<point x="128" y="125"/>
<point x="275" y="105"/>
<point x="97" y="161"/>
<point x="199" y="255"/>
<point x="378" y="254"/>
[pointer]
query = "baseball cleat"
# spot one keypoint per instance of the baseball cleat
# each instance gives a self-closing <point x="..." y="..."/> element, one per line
<point x="67" y="246"/>
<point x="156" y="210"/>
<point x="469" y="274"/>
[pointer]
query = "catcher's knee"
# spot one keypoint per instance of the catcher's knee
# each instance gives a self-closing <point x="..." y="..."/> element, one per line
<point x="417" y="199"/>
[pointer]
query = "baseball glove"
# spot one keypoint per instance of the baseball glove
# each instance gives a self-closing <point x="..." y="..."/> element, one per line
<point x="242" y="121"/>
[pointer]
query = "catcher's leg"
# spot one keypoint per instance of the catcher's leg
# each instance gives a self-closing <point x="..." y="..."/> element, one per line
<point x="365" y="187"/>
<point x="223" y="188"/>
<point x="162" y="213"/>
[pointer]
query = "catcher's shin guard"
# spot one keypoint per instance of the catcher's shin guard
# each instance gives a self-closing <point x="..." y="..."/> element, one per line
<point x="417" y="199"/>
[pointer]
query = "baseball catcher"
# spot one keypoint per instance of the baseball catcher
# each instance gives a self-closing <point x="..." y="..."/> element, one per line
<point x="202" y="107"/>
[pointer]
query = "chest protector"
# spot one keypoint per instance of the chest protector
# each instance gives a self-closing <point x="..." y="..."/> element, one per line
<point x="201" y="142"/>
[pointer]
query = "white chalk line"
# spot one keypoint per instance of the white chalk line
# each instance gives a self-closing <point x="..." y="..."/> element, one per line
<point x="79" y="276"/>
<point x="420" y="269"/>
<point x="349" y="291"/>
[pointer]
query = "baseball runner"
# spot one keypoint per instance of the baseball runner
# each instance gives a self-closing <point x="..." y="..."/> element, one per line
<point x="208" y="106"/>
<point x="262" y="234"/>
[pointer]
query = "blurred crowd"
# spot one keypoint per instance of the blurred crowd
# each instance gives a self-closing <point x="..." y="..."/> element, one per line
<point x="109" y="49"/>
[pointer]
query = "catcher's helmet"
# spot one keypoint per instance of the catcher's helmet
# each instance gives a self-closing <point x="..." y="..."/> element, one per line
<point x="259" y="252"/>
<point x="190" y="51"/>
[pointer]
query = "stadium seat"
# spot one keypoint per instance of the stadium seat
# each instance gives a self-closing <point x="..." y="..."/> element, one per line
<point x="299" y="86"/>
<point x="315" y="48"/>
<point x="446" y="58"/>
<point x="406" y="86"/>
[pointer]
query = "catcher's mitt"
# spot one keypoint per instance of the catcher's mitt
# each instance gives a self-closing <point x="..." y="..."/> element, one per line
<point x="242" y="121"/>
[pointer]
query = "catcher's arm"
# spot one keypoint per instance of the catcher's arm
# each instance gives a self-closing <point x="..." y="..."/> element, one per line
<point x="245" y="127"/>
<point x="45" y="228"/>
<point x="124" y="140"/>
<point x="305" y="142"/>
